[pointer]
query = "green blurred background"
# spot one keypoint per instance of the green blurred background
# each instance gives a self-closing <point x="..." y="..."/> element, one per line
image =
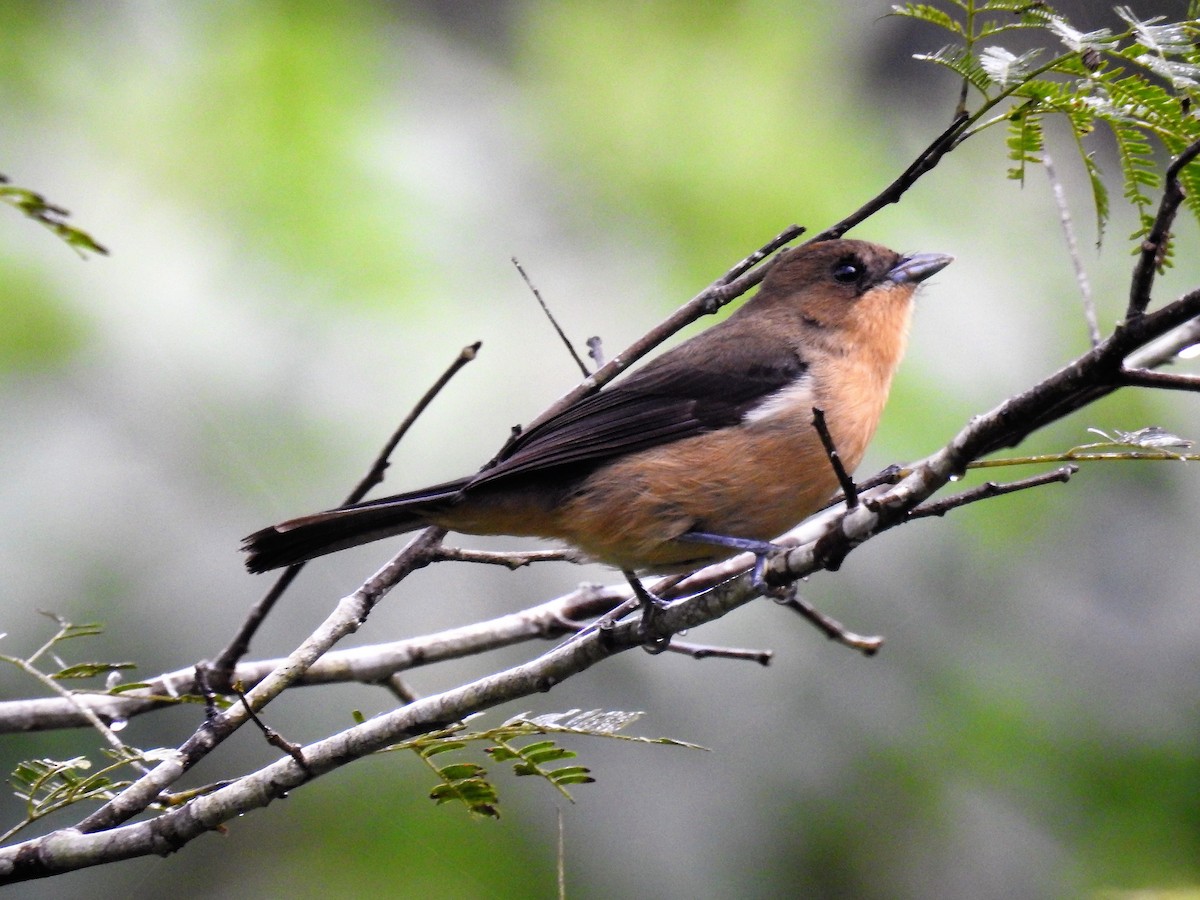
<point x="311" y="207"/>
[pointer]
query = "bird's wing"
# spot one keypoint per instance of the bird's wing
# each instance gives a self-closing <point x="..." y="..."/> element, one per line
<point x="674" y="397"/>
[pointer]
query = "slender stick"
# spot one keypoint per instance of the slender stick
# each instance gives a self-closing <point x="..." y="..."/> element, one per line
<point x="562" y="335"/>
<point x="219" y="673"/>
<point x="1155" y="245"/>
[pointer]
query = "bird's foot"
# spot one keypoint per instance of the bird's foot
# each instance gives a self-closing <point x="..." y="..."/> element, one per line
<point x="761" y="550"/>
<point x="658" y="636"/>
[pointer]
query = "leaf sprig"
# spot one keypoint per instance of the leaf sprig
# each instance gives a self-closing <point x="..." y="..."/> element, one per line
<point x="1142" y="83"/>
<point x="53" y="217"/>
<point x="468" y="783"/>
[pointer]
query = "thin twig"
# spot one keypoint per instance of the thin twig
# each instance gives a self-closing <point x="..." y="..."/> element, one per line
<point x="867" y="645"/>
<point x="220" y="672"/>
<point x="400" y="688"/>
<point x="273" y="737"/>
<point x="562" y="335"/>
<point x="928" y="159"/>
<point x="1064" y="218"/>
<point x="1169" y="380"/>
<point x="514" y="559"/>
<point x="379" y="467"/>
<point x="849" y="489"/>
<point x="79" y="706"/>
<point x="780" y="240"/>
<point x="1042" y="459"/>
<point x="705" y="651"/>
<point x="1155" y="244"/>
<point x="991" y="489"/>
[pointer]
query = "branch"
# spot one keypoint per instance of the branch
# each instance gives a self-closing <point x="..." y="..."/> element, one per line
<point x="71" y="849"/>
<point x="1154" y="247"/>
<point x="366" y="665"/>
<point x="512" y="559"/>
<point x="1076" y="385"/>
<point x="562" y="335"/>
<point x="929" y="158"/>
<point x="220" y="672"/>
<point x="349" y="613"/>
<point x="1168" y="380"/>
<point x="991" y="489"/>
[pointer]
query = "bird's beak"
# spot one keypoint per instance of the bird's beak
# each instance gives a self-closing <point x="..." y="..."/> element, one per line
<point x="916" y="267"/>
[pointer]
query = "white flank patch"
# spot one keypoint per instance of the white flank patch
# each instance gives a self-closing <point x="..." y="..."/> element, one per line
<point x="786" y="400"/>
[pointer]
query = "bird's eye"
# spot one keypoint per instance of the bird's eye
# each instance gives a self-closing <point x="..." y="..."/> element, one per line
<point x="847" y="272"/>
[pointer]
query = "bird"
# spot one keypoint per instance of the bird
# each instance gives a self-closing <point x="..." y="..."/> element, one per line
<point x="704" y="451"/>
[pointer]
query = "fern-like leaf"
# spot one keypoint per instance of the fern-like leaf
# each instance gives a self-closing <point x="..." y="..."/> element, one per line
<point x="478" y="795"/>
<point x="1099" y="192"/>
<point x="962" y="63"/>
<point x="1026" y="140"/>
<point x="80" y="671"/>
<point x="533" y="759"/>
<point x="466" y="783"/>
<point x="923" y="12"/>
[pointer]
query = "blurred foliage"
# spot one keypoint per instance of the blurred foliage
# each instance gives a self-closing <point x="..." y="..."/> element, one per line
<point x="651" y="110"/>
<point x="1141" y="83"/>
<point x="40" y="330"/>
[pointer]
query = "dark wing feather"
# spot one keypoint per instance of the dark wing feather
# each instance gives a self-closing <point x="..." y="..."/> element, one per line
<point x="674" y="397"/>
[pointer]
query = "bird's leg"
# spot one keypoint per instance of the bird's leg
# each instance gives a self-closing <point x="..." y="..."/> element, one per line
<point x="760" y="549"/>
<point x="652" y="607"/>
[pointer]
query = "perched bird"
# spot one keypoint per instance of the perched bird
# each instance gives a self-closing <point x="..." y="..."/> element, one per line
<point x="705" y="450"/>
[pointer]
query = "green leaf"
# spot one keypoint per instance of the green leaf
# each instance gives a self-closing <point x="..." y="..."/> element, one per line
<point x="501" y="754"/>
<point x="461" y="771"/>
<point x="962" y="63"/>
<point x="1025" y="140"/>
<point x="38" y="208"/>
<point x="441" y="746"/>
<point x="925" y="13"/>
<point x="91" y="670"/>
<point x="477" y="795"/>
<point x="1099" y="193"/>
<point x="573" y="775"/>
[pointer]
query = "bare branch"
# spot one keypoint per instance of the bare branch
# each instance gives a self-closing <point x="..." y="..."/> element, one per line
<point x="1168" y="380"/>
<point x="705" y="651"/>
<point x="992" y="489"/>
<point x="513" y="559"/>
<point x="562" y="335"/>
<point x="1155" y="245"/>
<point x="372" y="664"/>
<point x="849" y="489"/>
<point x="220" y="672"/>
<point x="867" y="645"/>
<point x="349" y="613"/>
<point x="1064" y="218"/>
<point x="929" y="158"/>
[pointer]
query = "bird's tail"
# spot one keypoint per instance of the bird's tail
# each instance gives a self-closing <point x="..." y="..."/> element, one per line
<point x="311" y="536"/>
